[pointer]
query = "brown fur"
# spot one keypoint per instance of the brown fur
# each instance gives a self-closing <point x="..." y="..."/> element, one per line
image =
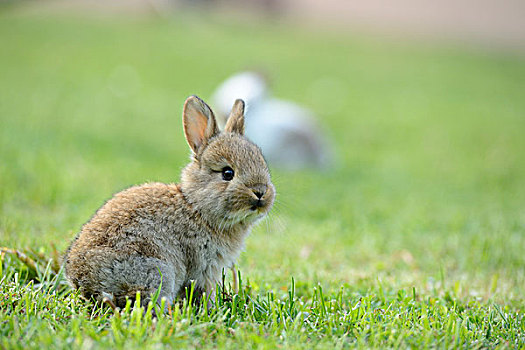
<point x="187" y="232"/>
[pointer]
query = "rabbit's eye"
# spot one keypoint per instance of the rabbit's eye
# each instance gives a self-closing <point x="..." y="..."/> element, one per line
<point x="227" y="173"/>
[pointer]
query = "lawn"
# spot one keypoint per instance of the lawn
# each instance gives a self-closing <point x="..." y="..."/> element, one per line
<point x="415" y="239"/>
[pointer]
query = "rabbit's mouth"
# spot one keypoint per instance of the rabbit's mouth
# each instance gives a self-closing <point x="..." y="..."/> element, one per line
<point x="255" y="210"/>
<point x="258" y="204"/>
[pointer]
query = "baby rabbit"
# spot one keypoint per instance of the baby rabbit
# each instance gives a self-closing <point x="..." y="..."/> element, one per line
<point x="183" y="232"/>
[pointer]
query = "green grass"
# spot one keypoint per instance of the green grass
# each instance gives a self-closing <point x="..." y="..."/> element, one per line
<point x="416" y="239"/>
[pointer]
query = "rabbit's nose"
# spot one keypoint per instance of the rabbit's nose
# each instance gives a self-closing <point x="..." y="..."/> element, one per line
<point x="259" y="190"/>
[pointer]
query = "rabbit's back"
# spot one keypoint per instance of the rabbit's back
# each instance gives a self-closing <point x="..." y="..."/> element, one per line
<point x="138" y="219"/>
<point x="143" y="222"/>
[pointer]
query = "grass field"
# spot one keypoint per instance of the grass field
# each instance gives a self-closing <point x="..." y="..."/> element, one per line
<point x="416" y="239"/>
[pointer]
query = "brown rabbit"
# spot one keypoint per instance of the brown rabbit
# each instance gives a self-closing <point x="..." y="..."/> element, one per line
<point x="183" y="232"/>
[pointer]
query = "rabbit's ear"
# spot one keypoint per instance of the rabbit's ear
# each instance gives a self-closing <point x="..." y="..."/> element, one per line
<point x="235" y="122"/>
<point x="199" y="123"/>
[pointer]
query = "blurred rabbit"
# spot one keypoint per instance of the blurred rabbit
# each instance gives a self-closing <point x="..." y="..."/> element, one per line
<point x="177" y="233"/>
<point x="285" y="131"/>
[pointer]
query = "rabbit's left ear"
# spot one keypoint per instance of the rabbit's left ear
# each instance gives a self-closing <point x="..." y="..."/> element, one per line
<point x="199" y="123"/>
<point x="235" y="122"/>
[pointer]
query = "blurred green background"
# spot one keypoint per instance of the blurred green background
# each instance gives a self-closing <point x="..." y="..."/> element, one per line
<point x="430" y="183"/>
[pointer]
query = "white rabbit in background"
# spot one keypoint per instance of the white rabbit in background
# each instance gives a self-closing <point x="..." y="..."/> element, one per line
<point x="286" y="132"/>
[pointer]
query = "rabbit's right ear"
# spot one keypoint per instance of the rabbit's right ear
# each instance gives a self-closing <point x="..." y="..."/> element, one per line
<point x="198" y="122"/>
<point x="235" y="122"/>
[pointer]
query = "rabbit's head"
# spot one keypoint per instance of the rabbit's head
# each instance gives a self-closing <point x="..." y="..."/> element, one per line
<point x="228" y="180"/>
